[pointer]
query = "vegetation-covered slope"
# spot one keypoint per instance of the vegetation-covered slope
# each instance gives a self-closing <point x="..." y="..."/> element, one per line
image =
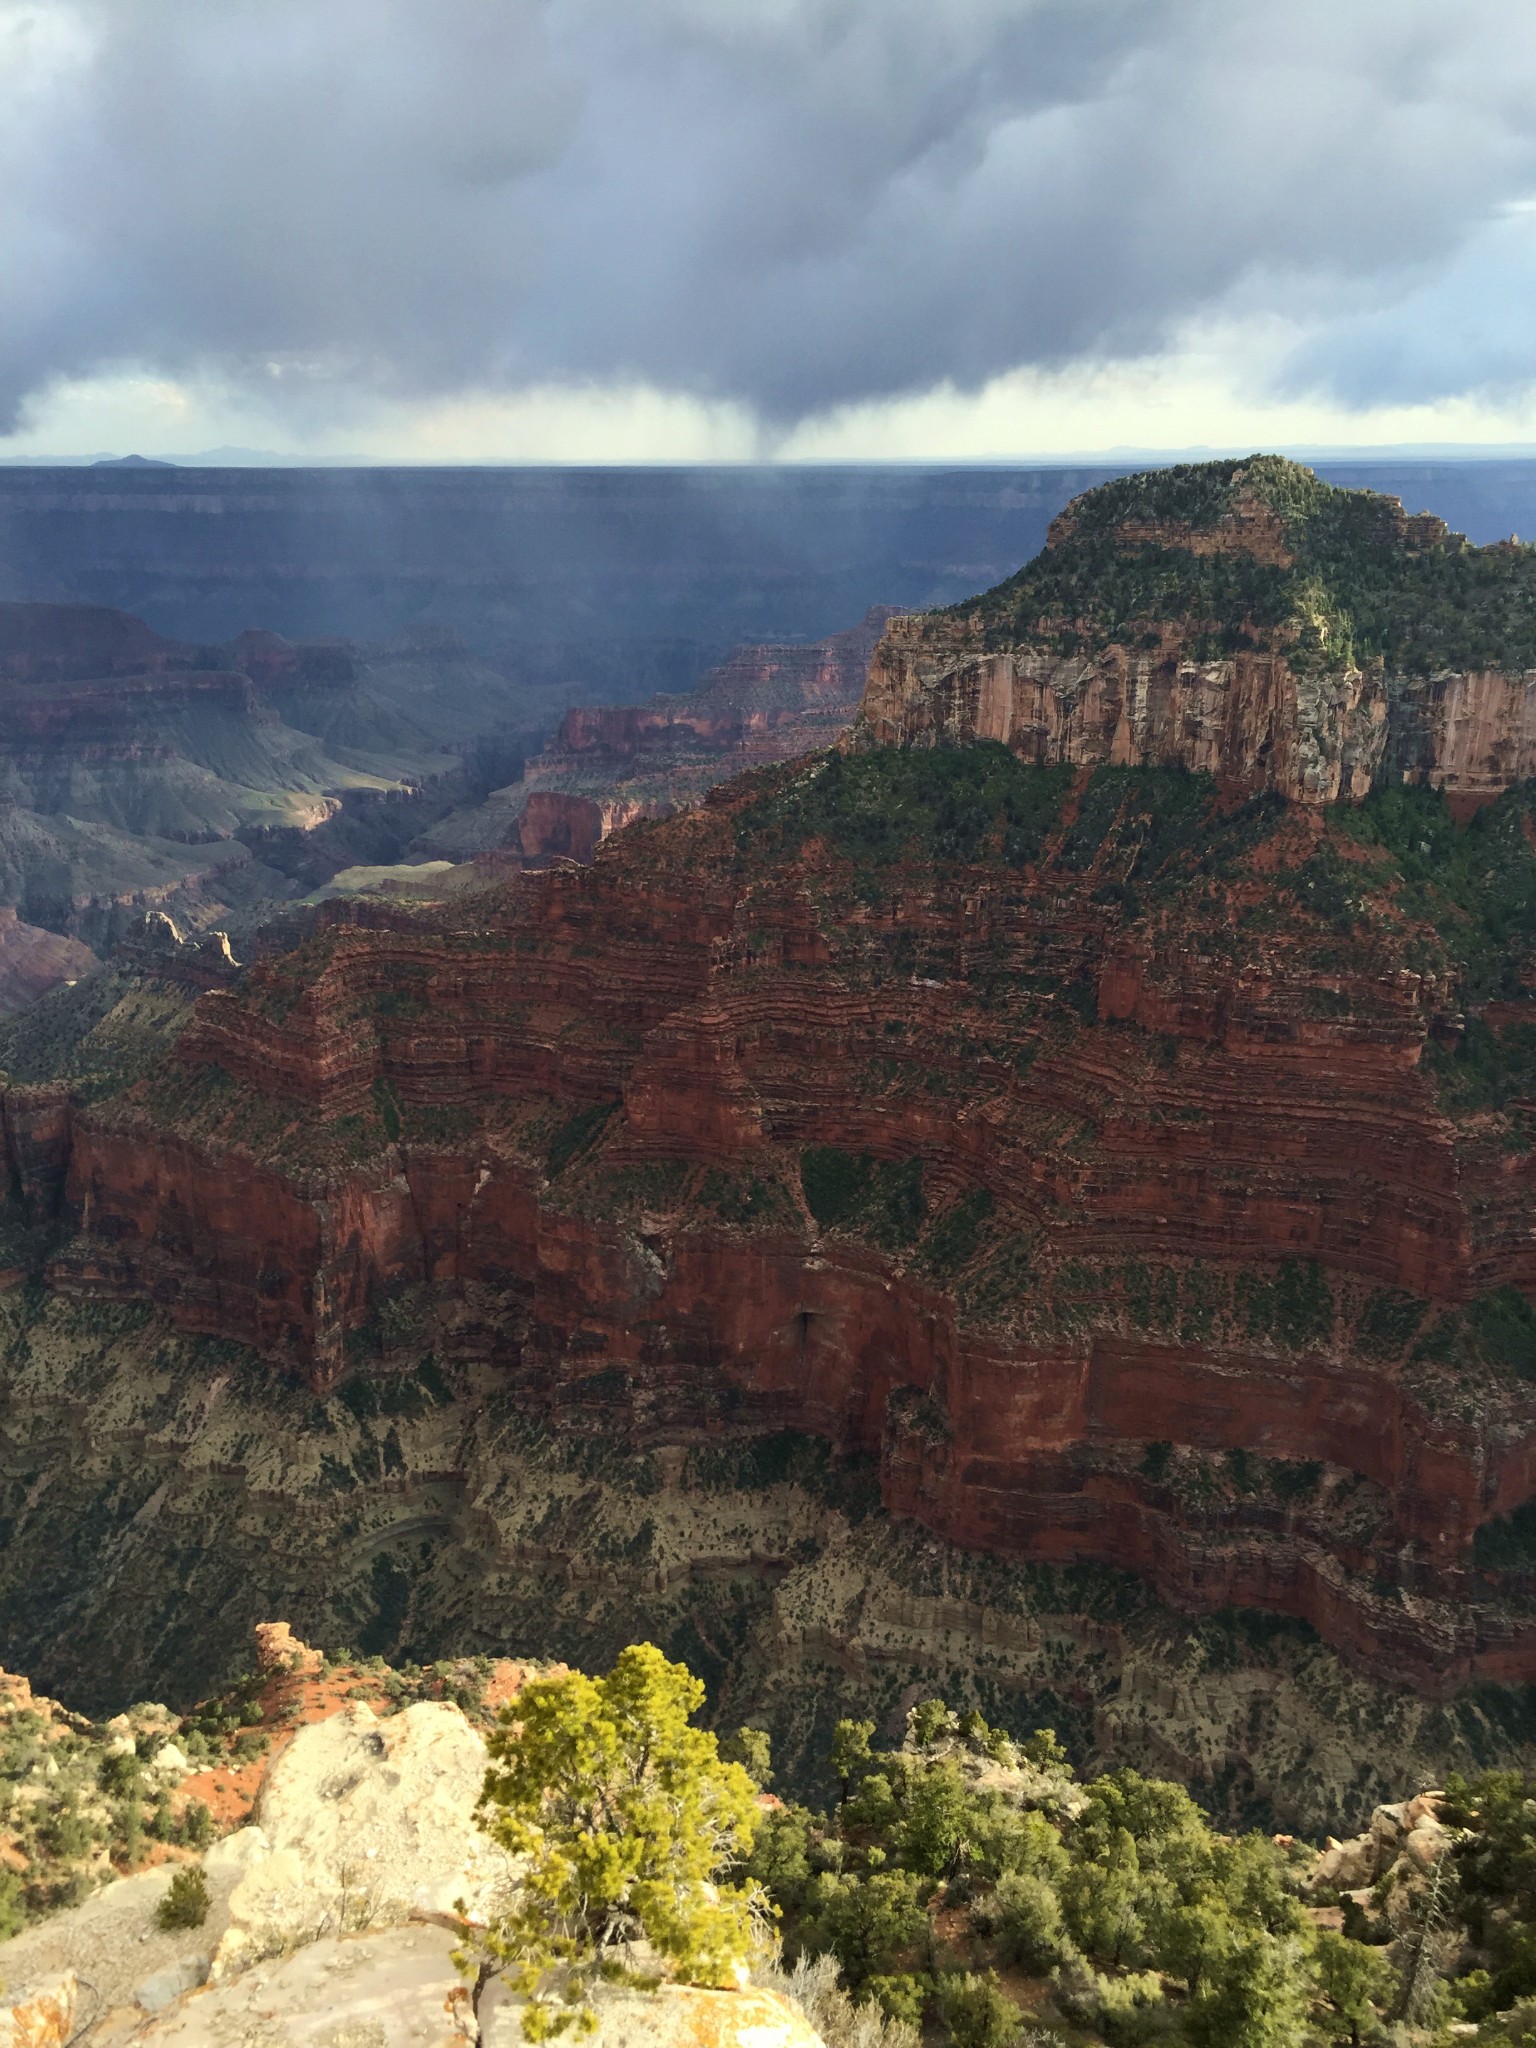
<point x="1260" y="553"/>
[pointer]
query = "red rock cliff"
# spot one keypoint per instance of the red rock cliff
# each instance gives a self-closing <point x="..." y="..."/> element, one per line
<point x="1111" y="1236"/>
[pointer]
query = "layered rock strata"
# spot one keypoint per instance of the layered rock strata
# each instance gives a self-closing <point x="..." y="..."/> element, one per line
<point x="611" y="764"/>
<point x="1251" y="719"/>
<point x="138" y="771"/>
<point x="163" y="1494"/>
<point x="1138" y="1227"/>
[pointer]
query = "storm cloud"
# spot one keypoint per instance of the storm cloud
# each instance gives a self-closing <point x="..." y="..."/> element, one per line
<point x="793" y="204"/>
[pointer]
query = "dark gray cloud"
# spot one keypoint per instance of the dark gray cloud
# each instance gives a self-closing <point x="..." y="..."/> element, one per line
<point x="796" y="203"/>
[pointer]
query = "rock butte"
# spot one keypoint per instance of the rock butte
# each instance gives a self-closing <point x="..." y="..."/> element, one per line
<point x="570" y="1123"/>
<point x="1292" y="707"/>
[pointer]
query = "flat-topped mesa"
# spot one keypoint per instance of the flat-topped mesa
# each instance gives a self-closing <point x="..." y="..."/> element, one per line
<point x="1242" y="619"/>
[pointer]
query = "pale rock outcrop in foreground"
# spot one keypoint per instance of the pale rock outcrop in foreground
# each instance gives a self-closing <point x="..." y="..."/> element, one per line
<point x="396" y="1988"/>
<point x="333" y="1922"/>
<point x="360" y="1823"/>
<point x="676" y="2016"/>
<point x="43" y="2016"/>
<point x="1405" y="1839"/>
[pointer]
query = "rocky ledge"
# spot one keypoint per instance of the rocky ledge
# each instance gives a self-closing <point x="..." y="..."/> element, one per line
<point x="335" y="1909"/>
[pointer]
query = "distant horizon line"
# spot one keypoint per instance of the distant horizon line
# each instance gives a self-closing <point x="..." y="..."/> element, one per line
<point x="258" y="459"/>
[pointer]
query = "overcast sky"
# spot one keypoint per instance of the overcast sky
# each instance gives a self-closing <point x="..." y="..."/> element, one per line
<point x="684" y="229"/>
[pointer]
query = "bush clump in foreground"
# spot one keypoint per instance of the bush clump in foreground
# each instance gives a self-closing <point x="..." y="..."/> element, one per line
<point x="971" y="1887"/>
<point x="967" y="1891"/>
<point x="631" y="1825"/>
<point x="186" y="1903"/>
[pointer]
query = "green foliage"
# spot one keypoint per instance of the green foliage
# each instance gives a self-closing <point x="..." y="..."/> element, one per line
<point x="1496" y="1332"/>
<point x="1028" y="1923"/>
<point x="1357" y="585"/>
<point x="976" y="2011"/>
<point x="851" y="1190"/>
<point x="1485" y="1069"/>
<point x="1508" y="1543"/>
<point x="1354" y="1981"/>
<point x="1515" y="2028"/>
<point x="13" y="1905"/>
<point x="1475" y="884"/>
<point x="628" y="1820"/>
<point x="1331" y="888"/>
<point x="1154" y="827"/>
<point x="752" y="1748"/>
<point x="901" y="1998"/>
<point x="886" y="2016"/>
<point x="935" y="1823"/>
<point x="186" y="1903"/>
<point x="1295" y="1308"/>
<point x="851" y="1752"/>
<point x="100" y="1033"/>
<point x="1504" y="1326"/>
<point x="1155" y="1460"/>
<point x="928" y="1720"/>
<point x="891" y="804"/>
<point x="744" y="1199"/>
<point x="120" y="1775"/>
<point x="1255" y="1994"/>
<point x="1388" y="1322"/>
<point x="66" y="1833"/>
<point x="868" y="1921"/>
<point x="781" y="1856"/>
<point x="578" y="1134"/>
<point x="394" y="1394"/>
<point x="386" y="1102"/>
<point x="1149" y="1924"/>
<point x="1486" y="1893"/>
<point x="1002" y="1282"/>
<point x="954" y="1237"/>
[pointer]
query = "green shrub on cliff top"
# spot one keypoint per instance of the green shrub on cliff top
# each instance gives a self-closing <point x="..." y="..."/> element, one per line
<point x="891" y="804"/>
<point x="186" y="1903"/>
<point x="630" y="1824"/>
<point x="963" y="1853"/>
<point x="1352" y="584"/>
<point x="883" y="1198"/>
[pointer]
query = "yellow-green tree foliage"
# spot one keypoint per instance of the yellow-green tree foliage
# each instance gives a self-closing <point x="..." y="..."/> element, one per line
<point x="628" y="1819"/>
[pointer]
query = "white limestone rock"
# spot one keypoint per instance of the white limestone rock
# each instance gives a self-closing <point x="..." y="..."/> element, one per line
<point x="1345" y="1866"/>
<point x="42" y="2014"/>
<point x="675" y="2016"/>
<point x="163" y="1987"/>
<point x="394" y="1988"/>
<point x="365" y="1823"/>
<point x="169" y="1764"/>
<point x="235" y="1854"/>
